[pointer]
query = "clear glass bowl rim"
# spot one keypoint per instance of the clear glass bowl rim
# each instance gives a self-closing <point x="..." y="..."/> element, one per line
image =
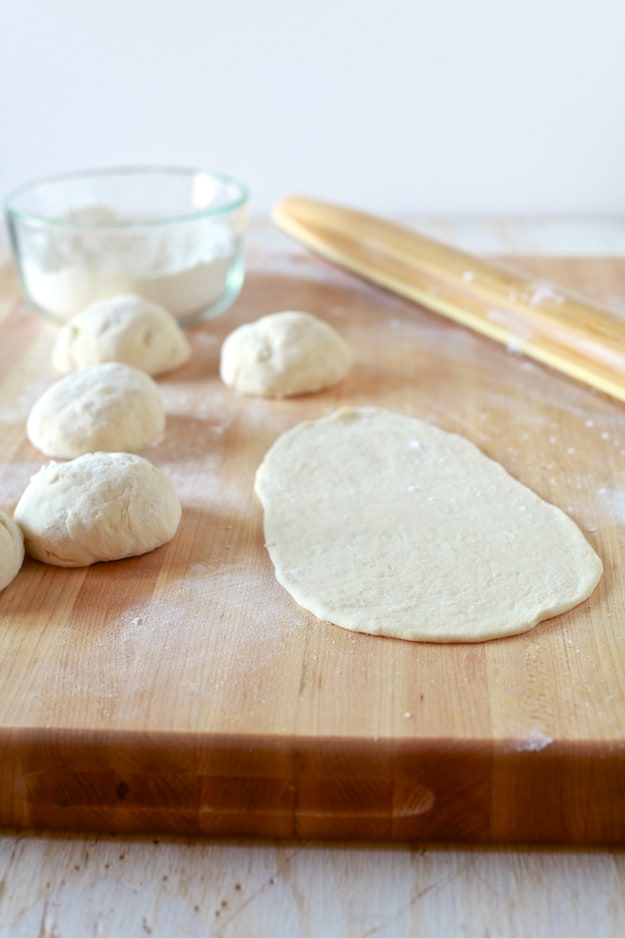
<point x="18" y="214"/>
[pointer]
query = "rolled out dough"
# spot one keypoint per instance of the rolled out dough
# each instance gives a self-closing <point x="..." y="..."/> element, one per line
<point x="384" y="524"/>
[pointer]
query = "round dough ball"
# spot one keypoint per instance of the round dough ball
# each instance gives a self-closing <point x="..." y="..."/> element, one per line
<point x="105" y="407"/>
<point x="11" y="549"/>
<point x="126" y="328"/>
<point x="100" y="506"/>
<point x="283" y="354"/>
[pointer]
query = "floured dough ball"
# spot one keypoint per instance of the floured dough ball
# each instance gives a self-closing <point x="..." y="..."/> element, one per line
<point x="11" y="549"/>
<point x="104" y="407"/>
<point x="283" y="354"/>
<point x="125" y="328"/>
<point x="100" y="506"/>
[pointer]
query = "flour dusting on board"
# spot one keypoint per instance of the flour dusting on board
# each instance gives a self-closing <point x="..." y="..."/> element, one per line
<point x="195" y="606"/>
<point x="14" y="477"/>
<point x="534" y="741"/>
<point x="16" y="408"/>
<point x="612" y="501"/>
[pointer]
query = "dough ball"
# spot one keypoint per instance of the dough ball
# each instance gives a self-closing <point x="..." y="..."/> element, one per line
<point x="100" y="506"/>
<point x="283" y="354"/>
<point x="105" y="407"/>
<point x="126" y="328"/>
<point x="11" y="549"/>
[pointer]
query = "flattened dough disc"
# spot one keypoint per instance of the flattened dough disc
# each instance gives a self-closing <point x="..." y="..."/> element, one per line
<point x="384" y="524"/>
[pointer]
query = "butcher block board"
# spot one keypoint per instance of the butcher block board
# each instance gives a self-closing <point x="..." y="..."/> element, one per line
<point x="185" y="692"/>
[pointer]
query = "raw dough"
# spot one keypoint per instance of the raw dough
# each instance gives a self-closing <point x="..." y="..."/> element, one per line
<point x="100" y="506"/>
<point x="105" y="407"/>
<point x="283" y="354"/>
<point x="11" y="549"/>
<point x="126" y="328"/>
<point x="384" y="524"/>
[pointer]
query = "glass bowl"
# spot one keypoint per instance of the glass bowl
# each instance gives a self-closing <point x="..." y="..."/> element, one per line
<point x="173" y="235"/>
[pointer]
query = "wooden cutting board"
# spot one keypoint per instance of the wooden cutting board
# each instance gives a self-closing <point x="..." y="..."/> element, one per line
<point x="185" y="692"/>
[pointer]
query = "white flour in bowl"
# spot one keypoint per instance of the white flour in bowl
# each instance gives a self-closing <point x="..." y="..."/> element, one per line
<point x="183" y="266"/>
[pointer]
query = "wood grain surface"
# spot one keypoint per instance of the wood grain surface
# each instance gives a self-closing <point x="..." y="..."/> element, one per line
<point x="185" y="692"/>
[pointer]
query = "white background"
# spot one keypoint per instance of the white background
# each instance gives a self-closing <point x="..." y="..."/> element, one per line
<point x="482" y="107"/>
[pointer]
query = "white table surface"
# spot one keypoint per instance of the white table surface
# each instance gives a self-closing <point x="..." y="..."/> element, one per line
<point x="71" y="886"/>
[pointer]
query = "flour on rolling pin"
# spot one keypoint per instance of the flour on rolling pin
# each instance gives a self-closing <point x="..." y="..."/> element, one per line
<point x="185" y="271"/>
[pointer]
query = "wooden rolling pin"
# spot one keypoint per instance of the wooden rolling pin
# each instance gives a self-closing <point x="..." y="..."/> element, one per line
<point x="530" y="315"/>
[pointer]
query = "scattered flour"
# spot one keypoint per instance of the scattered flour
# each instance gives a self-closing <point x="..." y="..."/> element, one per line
<point x="534" y="741"/>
